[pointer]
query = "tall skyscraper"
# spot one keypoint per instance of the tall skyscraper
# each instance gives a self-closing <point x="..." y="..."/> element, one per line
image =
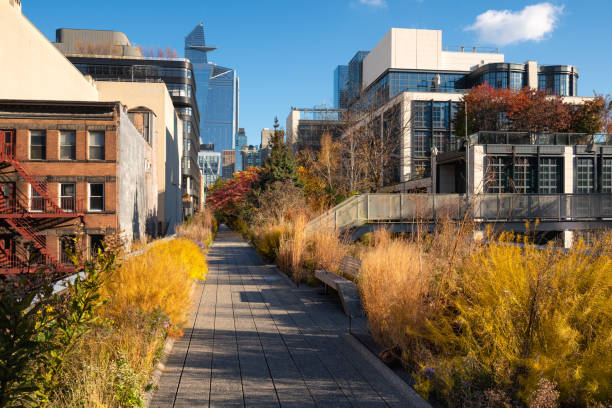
<point x="340" y="86"/>
<point x="216" y="92"/>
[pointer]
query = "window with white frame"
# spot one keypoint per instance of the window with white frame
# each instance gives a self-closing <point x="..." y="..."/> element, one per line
<point x="67" y="196"/>
<point x="37" y="202"/>
<point x="67" y="145"/>
<point x="96" y="197"/>
<point x="96" y="145"/>
<point x="38" y="145"/>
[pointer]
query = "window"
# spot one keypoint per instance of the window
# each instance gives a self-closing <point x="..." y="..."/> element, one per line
<point x="549" y="178"/>
<point x="584" y="176"/>
<point x="96" y="145"/>
<point x="606" y="175"/>
<point x="38" y="145"/>
<point x="422" y="114"/>
<point x="516" y="80"/>
<point x="67" y="196"/>
<point x="523" y="173"/>
<point x="96" y="242"/>
<point x="37" y="202"/>
<point x="67" y="145"/>
<point x="96" y="197"/>
<point x="67" y="245"/>
<point x="440" y="114"/>
<point x="421" y="143"/>
<point x="498" y="174"/>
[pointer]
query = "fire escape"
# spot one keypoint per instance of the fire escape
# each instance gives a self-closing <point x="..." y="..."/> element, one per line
<point x="27" y="217"/>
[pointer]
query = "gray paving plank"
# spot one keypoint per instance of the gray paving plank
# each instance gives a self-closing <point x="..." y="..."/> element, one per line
<point x="257" y="340"/>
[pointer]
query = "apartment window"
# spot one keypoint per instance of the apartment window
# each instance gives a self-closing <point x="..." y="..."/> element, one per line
<point x="67" y="245"/>
<point x="38" y="144"/>
<point x="96" y="242"/>
<point x="549" y="175"/>
<point x="67" y="145"/>
<point x="37" y="202"/>
<point x="584" y="175"/>
<point x="96" y="145"/>
<point x="67" y="196"/>
<point x="96" y="197"/>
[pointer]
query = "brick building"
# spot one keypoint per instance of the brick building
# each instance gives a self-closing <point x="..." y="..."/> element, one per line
<point x="68" y="168"/>
<point x="228" y="158"/>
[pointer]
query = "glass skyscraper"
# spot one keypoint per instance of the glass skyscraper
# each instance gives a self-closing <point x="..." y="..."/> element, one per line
<point x="340" y="86"/>
<point x="216" y="93"/>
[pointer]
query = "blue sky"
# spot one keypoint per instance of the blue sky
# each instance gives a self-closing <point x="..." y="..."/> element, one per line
<point x="285" y="51"/>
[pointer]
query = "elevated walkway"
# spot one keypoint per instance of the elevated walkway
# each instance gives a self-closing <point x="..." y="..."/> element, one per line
<point x="404" y="212"/>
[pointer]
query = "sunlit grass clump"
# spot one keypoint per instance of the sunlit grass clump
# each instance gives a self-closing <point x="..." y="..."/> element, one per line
<point x="159" y="279"/>
<point x="147" y="299"/>
<point x="496" y="324"/>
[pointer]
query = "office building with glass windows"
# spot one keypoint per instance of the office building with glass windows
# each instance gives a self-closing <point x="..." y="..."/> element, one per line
<point x="210" y="164"/>
<point x="340" y="86"/>
<point x="410" y="83"/>
<point x="306" y="127"/>
<point x="217" y="93"/>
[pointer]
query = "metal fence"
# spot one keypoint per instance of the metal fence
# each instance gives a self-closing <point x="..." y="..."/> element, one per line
<point x="403" y="208"/>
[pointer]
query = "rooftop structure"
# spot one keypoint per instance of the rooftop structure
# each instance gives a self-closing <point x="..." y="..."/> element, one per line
<point x="305" y="127"/>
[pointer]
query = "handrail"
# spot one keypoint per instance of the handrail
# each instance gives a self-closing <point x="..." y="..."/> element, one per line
<point x="401" y="208"/>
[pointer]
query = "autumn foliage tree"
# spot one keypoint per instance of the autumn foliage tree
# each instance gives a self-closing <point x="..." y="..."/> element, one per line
<point x="529" y="110"/>
<point x="229" y="198"/>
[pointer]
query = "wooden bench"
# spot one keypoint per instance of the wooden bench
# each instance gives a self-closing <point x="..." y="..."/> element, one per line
<point x="350" y="266"/>
<point x="347" y="290"/>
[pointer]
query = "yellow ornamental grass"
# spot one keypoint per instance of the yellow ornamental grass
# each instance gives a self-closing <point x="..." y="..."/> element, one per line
<point x="160" y="278"/>
<point x="528" y="314"/>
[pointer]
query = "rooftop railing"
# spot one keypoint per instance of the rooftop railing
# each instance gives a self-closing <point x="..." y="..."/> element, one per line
<point x="461" y="48"/>
<point x="532" y="138"/>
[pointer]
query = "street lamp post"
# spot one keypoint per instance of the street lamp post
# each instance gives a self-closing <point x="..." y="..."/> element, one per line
<point x="434" y="153"/>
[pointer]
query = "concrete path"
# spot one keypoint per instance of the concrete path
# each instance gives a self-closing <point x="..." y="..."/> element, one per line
<point x="256" y="340"/>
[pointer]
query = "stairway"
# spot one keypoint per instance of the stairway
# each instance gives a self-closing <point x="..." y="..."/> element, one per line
<point x="15" y="210"/>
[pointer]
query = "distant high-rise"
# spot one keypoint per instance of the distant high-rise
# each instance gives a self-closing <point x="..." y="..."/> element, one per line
<point x="355" y="75"/>
<point x="241" y="141"/>
<point x="340" y="86"/>
<point x="216" y="92"/>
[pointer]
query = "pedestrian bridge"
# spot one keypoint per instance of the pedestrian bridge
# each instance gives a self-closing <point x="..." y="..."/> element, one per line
<point x="403" y="212"/>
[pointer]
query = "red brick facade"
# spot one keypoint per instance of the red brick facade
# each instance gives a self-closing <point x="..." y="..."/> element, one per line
<point x="19" y="119"/>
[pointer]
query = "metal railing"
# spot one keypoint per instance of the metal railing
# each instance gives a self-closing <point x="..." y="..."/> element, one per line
<point x="533" y="138"/>
<point x="404" y="208"/>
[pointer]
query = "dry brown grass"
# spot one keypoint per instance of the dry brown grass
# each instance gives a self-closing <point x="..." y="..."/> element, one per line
<point x="292" y="249"/>
<point x="200" y="228"/>
<point x="326" y="249"/>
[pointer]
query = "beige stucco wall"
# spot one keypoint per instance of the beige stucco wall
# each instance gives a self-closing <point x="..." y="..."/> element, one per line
<point x="31" y="67"/>
<point x="167" y="138"/>
<point x="418" y="49"/>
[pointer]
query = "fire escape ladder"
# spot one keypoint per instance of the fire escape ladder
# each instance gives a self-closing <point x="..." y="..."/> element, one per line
<point x="39" y="184"/>
<point x="29" y="232"/>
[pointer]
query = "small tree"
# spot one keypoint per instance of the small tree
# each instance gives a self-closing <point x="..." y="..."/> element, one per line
<point x="280" y="165"/>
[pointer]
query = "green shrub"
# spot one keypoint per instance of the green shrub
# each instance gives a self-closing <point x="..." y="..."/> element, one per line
<point x="269" y="242"/>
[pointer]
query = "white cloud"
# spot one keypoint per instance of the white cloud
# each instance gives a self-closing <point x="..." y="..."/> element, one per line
<point x="374" y="3"/>
<point x="503" y="27"/>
